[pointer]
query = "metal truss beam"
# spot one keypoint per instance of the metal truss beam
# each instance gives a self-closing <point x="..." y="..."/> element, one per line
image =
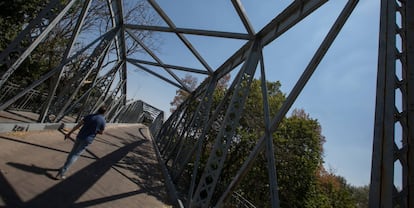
<point x="117" y="17"/>
<point x="158" y="60"/>
<point x="300" y="84"/>
<point x="53" y="71"/>
<point x="53" y="12"/>
<point x="391" y="147"/>
<point x="182" y="68"/>
<point x="270" y="152"/>
<point x="171" y="24"/>
<point x="182" y="137"/>
<point x="66" y="54"/>
<point x="209" y="178"/>
<point x="155" y="74"/>
<point x="90" y="67"/>
<point x="211" y="33"/>
<point x="243" y="16"/>
<point x="296" y="12"/>
<point x="408" y="48"/>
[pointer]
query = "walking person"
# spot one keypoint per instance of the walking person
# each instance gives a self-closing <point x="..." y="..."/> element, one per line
<point x="91" y="125"/>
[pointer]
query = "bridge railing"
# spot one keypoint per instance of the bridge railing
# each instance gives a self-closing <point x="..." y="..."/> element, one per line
<point x="31" y="101"/>
<point x="133" y="112"/>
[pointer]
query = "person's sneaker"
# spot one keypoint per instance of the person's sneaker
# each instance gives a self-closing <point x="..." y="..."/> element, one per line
<point x="59" y="176"/>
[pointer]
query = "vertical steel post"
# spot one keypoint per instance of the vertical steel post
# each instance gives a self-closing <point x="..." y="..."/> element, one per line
<point x="386" y="153"/>
<point x="270" y="152"/>
<point x="408" y="47"/>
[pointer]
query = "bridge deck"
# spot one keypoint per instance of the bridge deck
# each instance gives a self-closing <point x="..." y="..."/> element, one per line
<point x="119" y="169"/>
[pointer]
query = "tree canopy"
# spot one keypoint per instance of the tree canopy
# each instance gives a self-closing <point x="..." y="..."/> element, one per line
<point x="298" y="144"/>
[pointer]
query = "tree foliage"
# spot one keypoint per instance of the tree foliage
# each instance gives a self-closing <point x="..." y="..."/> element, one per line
<point x="181" y="94"/>
<point x="192" y="82"/>
<point x="17" y="14"/>
<point x="14" y="15"/>
<point x="298" y="144"/>
<point x="298" y="151"/>
<point x="331" y="191"/>
<point x="360" y="194"/>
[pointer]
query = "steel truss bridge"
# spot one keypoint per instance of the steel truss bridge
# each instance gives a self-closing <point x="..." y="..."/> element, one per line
<point x="181" y="137"/>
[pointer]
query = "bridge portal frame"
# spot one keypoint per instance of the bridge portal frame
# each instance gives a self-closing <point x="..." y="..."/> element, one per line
<point x="394" y="104"/>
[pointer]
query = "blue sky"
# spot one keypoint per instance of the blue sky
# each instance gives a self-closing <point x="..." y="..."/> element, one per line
<point x="340" y="95"/>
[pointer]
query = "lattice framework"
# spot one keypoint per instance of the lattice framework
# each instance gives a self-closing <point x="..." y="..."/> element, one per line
<point x="182" y="135"/>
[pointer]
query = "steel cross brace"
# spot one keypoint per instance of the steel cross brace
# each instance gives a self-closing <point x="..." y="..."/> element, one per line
<point x="215" y="162"/>
<point x="53" y="71"/>
<point x="68" y="50"/>
<point x="196" y="137"/>
<point x="95" y="59"/>
<point x="300" y="84"/>
<point x="54" y="12"/>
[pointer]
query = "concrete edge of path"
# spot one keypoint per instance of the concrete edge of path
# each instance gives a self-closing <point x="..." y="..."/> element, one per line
<point x="24" y="127"/>
<point x="168" y="180"/>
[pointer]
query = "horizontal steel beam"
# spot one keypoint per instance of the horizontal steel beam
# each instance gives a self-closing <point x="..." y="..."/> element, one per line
<point x="155" y="74"/>
<point x="297" y="11"/>
<point x="182" y="68"/>
<point x="211" y="33"/>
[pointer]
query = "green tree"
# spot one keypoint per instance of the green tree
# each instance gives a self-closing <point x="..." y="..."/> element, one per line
<point x="298" y="144"/>
<point x="333" y="189"/>
<point x="298" y="152"/>
<point x="192" y="82"/>
<point x="181" y="94"/>
<point x="48" y="54"/>
<point x="360" y="195"/>
<point x="12" y="19"/>
<point x="13" y="15"/>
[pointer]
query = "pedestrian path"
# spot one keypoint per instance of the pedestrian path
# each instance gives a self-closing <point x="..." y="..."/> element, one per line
<point x="119" y="169"/>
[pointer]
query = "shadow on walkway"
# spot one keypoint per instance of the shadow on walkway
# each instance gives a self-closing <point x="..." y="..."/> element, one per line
<point x="34" y="169"/>
<point x="70" y="190"/>
<point x="41" y="146"/>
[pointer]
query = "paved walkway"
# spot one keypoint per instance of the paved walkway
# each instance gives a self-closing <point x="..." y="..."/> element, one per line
<point x="119" y="169"/>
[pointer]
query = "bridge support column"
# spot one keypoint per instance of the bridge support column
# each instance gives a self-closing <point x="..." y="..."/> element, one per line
<point x="392" y="176"/>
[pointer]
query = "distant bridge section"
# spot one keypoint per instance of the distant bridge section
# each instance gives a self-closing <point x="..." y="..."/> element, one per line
<point x="22" y="115"/>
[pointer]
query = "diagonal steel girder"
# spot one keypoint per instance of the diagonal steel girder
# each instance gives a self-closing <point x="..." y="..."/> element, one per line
<point x="156" y="74"/>
<point x="180" y="36"/>
<point x="26" y="35"/>
<point x="300" y="84"/>
<point x="117" y="17"/>
<point x="182" y="68"/>
<point x="66" y="54"/>
<point x="210" y="176"/>
<point x="155" y="57"/>
<point x="205" y="190"/>
<point x="92" y="64"/>
<point x="297" y="11"/>
<point x="98" y="84"/>
<point x="293" y="14"/>
<point x="54" y="70"/>
<point x="243" y="16"/>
